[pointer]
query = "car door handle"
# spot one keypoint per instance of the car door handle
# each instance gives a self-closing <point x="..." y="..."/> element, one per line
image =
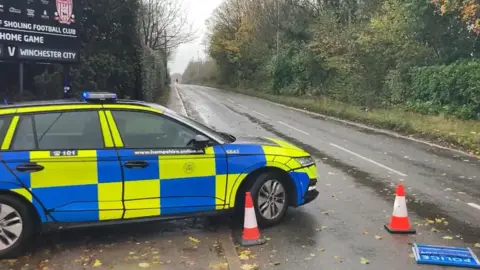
<point x="136" y="164"/>
<point x="30" y="167"/>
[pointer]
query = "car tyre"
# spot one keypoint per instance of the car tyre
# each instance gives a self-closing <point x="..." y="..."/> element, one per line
<point x="14" y="212"/>
<point x="269" y="191"/>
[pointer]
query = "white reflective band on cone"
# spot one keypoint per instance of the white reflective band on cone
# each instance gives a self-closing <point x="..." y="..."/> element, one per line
<point x="250" y="219"/>
<point x="400" y="207"/>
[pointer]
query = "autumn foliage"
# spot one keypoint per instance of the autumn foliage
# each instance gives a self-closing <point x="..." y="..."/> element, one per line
<point x="411" y="55"/>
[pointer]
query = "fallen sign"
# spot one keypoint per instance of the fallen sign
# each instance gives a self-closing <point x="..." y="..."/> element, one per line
<point x="447" y="256"/>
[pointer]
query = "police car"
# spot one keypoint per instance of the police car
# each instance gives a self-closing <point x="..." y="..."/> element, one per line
<point x="103" y="160"/>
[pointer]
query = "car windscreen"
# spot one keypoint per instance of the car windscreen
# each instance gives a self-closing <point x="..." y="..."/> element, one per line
<point x="194" y="123"/>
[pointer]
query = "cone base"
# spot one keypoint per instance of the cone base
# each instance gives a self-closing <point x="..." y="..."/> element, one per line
<point x="409" y="231"/>
<point x="249" y="243"/>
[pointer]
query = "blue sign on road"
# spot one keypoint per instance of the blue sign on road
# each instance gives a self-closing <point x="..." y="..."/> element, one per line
<point x="448" y="256"/>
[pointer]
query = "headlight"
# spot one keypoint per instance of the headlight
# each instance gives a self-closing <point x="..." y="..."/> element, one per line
<point x="305" y="161"/>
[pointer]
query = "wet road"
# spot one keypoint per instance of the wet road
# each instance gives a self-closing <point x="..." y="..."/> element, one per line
<point x="195" y="243"/>
<point x="358" y="170"/>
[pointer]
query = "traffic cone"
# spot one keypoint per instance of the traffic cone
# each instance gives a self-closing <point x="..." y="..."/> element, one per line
<point x="251" y="234"/>
<point x="399" y="222"/>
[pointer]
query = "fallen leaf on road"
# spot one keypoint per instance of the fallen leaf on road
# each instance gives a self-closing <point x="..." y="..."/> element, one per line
<point x="144" y="265"/>
<point x="312" y="255"/>
<point x="438" y="220"/>
<point x="324" y="227"/>
<point x="378" y="237"/>
<point x="321" y="249"/>
<point x="131" y="252"/>
<point x="219" y="266"/>
<point x="365" y="232"/>
<point x="331" y="173"/>
<point x="434" y="230"/>
<point x="445" y="223"/>
<point x="195" y="240"/>
<point x="411" y="255"/>
<point x="477" y="245"/>
<point x="336" y="257"/>
<point x="244" y="255"/>
<point x="276" y="263"/>
<point x="430" y="221"/>
<point x="364" y="261"/>
<point x="268" y="238"/>
<point x="97" y="263"/>
<point x="249" y="267"/>
<point x="308" y="258"/>
<point x="447" y="237"/>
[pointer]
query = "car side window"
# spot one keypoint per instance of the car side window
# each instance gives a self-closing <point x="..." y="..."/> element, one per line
<point x="4" y="121"/>
<point x="59" y="130"/>
<point x="147" y="130"/>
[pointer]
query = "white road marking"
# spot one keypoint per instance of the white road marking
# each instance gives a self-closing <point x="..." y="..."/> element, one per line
<point x="292" y="127"/>
<point x="241" y="106"/>
<point x="184" y="111"/>
<point x="474" y="205"/>
<point x="260" y="114"/>
<point x="231" y="101"/>
<point x="369" y="160"/>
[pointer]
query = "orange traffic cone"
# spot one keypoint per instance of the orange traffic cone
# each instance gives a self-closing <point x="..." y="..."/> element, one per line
<point x="399" y="222"/>
<point x="251" y="234"/>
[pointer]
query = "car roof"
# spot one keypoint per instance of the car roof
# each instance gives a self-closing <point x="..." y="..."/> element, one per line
<point x="71" y="102"/>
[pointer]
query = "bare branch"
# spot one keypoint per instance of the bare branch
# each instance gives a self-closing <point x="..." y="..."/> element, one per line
<point x="164" y="25"/>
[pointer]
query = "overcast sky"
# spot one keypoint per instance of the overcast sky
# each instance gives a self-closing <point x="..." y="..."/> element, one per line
<point x="198" y="12"/>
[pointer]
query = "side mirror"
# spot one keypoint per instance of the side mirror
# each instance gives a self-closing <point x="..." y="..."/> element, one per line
<point x="201" y="141"/>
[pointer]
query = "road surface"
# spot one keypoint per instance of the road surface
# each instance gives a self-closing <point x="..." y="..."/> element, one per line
<point x="358" y="170"/>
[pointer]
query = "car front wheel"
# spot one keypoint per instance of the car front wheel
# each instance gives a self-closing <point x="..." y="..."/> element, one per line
<point x="270" y="198"/>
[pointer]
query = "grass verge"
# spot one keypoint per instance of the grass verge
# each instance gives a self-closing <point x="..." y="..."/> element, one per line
<point x="450" y="132"/>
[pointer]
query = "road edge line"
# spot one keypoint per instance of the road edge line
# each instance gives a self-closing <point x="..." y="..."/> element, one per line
<point x="182" y="104"/>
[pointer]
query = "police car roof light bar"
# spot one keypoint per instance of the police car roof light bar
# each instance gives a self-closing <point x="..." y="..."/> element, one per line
<point x="99" y="96"/>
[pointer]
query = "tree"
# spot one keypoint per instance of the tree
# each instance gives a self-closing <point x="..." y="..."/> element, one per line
<point x="163" y="24"/>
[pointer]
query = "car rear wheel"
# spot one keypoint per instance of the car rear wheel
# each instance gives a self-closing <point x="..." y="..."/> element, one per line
<point x="270" y="198"/>
<point x="16" y="226"/>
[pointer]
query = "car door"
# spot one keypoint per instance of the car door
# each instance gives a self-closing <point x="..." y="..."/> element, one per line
<point x="68" y="161"/>
<point x="164" y="174"/>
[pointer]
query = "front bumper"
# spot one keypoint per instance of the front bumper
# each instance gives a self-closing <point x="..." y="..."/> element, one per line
<point x="312" y="192"/>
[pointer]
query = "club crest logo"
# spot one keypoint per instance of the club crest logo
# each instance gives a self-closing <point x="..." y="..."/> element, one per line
<point x="64" y="14"/>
